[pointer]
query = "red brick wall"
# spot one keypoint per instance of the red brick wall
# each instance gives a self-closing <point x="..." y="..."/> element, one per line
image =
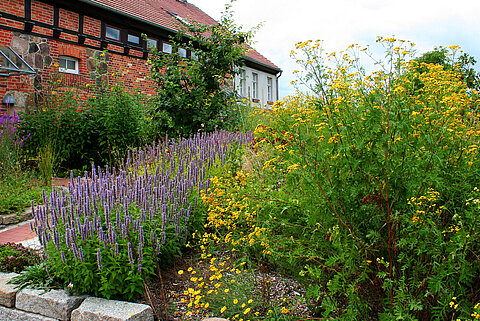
<point x="42" y="53"/>
<point x="13" y="6"/>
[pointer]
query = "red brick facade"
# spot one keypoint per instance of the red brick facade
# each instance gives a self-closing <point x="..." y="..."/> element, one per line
<point x="42" y="31"/>
<point x="42" y="53"/>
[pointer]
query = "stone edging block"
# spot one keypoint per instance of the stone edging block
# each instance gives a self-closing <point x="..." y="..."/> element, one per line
<point x="7" y="291"/>
<point x="96" y="309"/>
<point x="54" y="303"/>
<point x="17" y="315"/>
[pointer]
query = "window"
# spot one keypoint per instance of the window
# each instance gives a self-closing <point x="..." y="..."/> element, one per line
<point x="68" y="65"/>
<point x="112" y="33"/>
<point x="152" y="43"/>
<point x="182" y="52"/>
<point x="269" y="89"/>
<point x="254" y="85"/>
<point x="133" y="39"/>
<point x="193" y="55"/>
<point x="241" y="85"/>
<point x="167" y="48"/>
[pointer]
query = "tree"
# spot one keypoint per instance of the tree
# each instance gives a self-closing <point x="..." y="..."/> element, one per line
<point x="463" y="64"/>
<point x="192" y="92"/>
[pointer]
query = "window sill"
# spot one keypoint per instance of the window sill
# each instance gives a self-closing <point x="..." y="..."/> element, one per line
<point x="256" y="100"/>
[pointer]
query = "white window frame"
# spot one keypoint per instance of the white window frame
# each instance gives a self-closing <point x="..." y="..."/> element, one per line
<point x="66" y="69"/>
<point x="269" y="89"/>
<point x="131" y="37"/>
<point x="193" y="55"/>
<point x="182" y="52"/>
<point x="166" y="45"/>
<point x="152" y="43"/>
<point x="254" y="85"/>
<point x="242" y="82"/>
<point x="119" y="39"/>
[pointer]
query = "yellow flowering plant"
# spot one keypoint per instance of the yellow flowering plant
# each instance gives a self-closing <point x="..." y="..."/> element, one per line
<point x="369" y="196"/>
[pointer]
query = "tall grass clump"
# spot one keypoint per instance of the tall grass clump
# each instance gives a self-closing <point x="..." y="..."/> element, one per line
<point x="369" y="184"/>
<point x="107" y="233"/>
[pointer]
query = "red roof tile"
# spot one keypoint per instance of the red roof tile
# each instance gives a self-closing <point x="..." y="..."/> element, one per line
<point x="156" y="11"/>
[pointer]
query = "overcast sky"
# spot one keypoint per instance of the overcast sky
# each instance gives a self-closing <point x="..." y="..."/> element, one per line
<point x="427" y="23"/>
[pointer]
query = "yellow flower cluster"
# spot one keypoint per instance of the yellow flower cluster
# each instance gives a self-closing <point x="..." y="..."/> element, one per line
<point x="425" y="204"/>
<point x="215" y="281"/>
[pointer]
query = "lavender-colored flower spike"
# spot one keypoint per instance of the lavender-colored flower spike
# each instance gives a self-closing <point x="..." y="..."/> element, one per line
<point x="130" y="253"/>
<point x="99" y="259"/>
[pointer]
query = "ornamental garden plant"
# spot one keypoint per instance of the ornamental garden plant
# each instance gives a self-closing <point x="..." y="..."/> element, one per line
<point x="107" y="234"/>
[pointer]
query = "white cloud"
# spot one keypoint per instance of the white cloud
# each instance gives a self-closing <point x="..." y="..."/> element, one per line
<point x="428" y="23"/>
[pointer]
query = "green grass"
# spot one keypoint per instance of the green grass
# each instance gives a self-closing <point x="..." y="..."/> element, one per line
<point x="17" y="191"/>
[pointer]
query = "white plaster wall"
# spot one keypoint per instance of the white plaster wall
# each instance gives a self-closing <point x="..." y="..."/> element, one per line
<point x="262" y="85"/>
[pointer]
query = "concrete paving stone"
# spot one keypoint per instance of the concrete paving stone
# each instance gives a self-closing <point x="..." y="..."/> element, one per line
<point x="7" y="291"/>
<point x="97" y="309"/>
<point x="7" y="314"/>
<point x="55" y="303"/>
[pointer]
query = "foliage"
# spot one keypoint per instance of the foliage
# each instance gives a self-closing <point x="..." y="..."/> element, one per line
<point x="84" y="124"/>
<point x="192" y="91"/>
<point x="107" y="234"/>
<point x="369" y="185"/>
<point x="463" y="63"/>
<point x="17" y="191"/>
<point x="118" y="122"/>
<point x="38" y="276"/>
<point x="15" y="257"/>
<point x="10" y="143"/>
<point x="46" y="162"/>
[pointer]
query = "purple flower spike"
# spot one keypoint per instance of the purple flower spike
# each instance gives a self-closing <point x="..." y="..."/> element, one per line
<point x="99" y="259"/>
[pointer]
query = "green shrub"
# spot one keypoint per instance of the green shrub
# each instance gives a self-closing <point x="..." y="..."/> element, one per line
<point x="193" y="93"/>
<point x="83" y="131"/>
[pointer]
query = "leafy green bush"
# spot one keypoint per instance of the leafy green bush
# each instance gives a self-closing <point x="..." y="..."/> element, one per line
<point x="369" y="186"/>
<point x="118" y="122"/>
<point x="80" y="130"/>
<point x="193" y="93"/>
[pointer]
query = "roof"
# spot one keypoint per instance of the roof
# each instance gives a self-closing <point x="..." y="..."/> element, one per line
<point x="159" y="12"/>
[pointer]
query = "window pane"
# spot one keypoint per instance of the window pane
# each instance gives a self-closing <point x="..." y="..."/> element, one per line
<point x="152" y="43"/>
<point x="71" y="64"/>
<point x="182" y="52"/>
<point x="112" y="33"/>
<point x="134" y="39"/>
<point x="68" y="65"/>
<point x="62" y="63"/>
<point x="167" y="48"/>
